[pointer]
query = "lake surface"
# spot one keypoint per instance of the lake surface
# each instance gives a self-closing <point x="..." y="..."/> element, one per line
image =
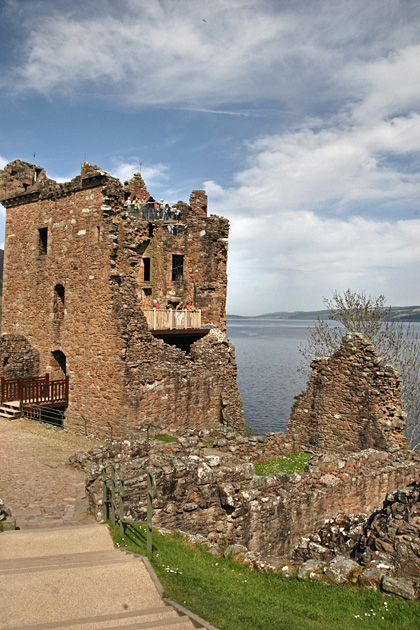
<point x="267" y="356"/>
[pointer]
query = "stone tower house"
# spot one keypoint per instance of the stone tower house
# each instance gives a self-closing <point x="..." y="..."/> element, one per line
<point x="83" y="266"/>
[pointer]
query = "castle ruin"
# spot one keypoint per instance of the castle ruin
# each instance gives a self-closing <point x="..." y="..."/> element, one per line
<point x="85" y="268"/>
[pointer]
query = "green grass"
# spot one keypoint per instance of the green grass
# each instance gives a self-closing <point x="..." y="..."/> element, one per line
<point x="164" y="438"/>
<point x="231" y="597"/>
<point x="289" y="464"/>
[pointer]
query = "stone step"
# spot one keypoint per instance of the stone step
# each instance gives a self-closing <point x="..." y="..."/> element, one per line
<point x="10" y="410"/>
<point x="156" y="618"/>
<point x="72" y="578"/>
<point x="63" y="561"/>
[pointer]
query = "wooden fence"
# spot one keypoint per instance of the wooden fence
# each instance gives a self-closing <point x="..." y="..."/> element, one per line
<point x="38" y="391"/>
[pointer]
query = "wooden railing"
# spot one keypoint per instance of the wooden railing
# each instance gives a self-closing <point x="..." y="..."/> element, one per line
<point x="38" y="390"/>
<point x="163" y="319"/>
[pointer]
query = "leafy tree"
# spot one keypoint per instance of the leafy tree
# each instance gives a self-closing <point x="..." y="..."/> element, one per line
<point x="396" y="342"/>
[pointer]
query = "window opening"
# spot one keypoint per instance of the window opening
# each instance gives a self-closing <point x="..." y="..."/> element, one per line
<point x="146" y="269"/>
<point x="177" y="267"/>
<point x="43" y="240"/>
<point x="60" y="358"/>
<point x="59" y="296"/>
<point x="151" y="229"/>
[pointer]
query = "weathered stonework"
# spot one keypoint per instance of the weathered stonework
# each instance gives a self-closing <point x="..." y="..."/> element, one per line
<point x="352" y="402"/>
<point x="204" y="491"/>
<point x="18" y="358"/>
<point x="76" y="284"/>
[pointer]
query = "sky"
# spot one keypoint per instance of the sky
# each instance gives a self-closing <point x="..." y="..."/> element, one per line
<point x="300" y="119"/>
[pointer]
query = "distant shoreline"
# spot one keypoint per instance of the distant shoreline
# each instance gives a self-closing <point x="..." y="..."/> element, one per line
<point x="397" y="314"/>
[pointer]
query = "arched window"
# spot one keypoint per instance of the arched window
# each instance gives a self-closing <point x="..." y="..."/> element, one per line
<point x="60" y="362"/>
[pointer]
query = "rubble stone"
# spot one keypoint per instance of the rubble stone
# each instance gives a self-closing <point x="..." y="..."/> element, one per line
<point x="342" y="570"/>
<point x="311" y="569"/>
<point x="399" y="586"/>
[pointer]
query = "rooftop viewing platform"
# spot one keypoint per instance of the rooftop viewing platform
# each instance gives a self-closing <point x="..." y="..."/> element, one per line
<point x="152" y="210"/>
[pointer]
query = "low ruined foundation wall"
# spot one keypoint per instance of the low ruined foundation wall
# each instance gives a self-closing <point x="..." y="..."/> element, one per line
<point x="216" y="495"/>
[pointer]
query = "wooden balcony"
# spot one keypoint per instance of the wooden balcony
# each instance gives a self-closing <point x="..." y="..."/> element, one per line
<point x="167" y="320"/>
<point x="36" y="391"/>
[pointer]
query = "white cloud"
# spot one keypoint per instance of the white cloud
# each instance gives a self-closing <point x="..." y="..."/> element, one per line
<point x="202" y="54"/>
<point x="153" y="175"/>
<point x="327" y="202"/>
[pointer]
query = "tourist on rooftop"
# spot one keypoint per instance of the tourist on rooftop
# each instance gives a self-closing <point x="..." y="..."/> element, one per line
<point x="127" y="204"/>
<point x="136" y="207"/>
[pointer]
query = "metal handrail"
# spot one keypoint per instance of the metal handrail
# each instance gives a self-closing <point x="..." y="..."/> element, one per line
<point x="114" y="510"/>
<point x="49" y="415"/>
<point x="153" y="210"/>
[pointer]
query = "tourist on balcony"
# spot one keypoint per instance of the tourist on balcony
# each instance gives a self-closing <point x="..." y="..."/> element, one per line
<point x="155" y="304"/>
<point x="179" y="314"/>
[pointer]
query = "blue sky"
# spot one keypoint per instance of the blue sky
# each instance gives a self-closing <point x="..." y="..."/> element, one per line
<point x="300" y="118"/>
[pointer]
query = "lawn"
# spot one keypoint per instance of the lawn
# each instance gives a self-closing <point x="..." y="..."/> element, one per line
<point x="289" y="464"/>
<point x="231" y="597"/>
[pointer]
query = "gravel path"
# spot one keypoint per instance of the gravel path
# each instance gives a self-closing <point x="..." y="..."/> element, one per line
<point x="35" y="482"/>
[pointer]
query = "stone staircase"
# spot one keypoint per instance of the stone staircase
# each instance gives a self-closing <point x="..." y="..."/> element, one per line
<point x="73" y="578"/>
<point x="11" y="410"/>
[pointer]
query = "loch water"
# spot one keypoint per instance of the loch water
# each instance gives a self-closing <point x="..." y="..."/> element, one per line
<point x="267" y="355"/>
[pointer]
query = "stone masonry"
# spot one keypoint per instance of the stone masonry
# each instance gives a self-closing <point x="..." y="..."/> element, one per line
<point x="352" y="402"/>
<point x="203" y="491"/>
<point x="79" y="271"/>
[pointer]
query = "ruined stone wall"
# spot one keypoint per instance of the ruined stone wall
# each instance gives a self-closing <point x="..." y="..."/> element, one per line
<point x="352" y="402"/>
<point x="203" y="491"/>
<point x="168" y="388"/>
<point x="17" y="357"/>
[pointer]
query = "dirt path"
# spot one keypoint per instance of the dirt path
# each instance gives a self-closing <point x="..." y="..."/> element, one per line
<point x="35" y="482"/>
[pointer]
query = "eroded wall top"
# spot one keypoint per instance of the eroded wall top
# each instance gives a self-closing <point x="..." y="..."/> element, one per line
<point x="352" y="402"/>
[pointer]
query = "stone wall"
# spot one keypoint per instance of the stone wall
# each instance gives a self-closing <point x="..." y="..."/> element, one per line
<point x="392" y="533"/>
<point x="204" y="491"/>
<point x="18" y="359"/>
<point x="352" y="402"/>
<point x="75" y="289"/>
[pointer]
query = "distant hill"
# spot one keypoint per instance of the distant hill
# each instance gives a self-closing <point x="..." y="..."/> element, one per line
<point x="398" y="313"/>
